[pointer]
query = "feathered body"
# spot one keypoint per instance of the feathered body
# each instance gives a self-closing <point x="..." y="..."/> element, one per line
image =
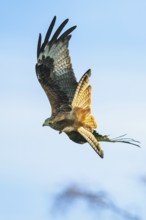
<point x="70" y="100"/>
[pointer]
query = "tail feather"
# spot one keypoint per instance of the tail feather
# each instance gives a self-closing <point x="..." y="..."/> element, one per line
<point x="92" y="141"/>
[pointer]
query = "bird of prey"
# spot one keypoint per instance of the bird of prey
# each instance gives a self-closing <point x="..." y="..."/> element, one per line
<point x="70" y="100"/>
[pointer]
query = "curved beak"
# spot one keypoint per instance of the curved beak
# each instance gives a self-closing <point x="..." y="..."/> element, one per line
<point x="44" y="124"/>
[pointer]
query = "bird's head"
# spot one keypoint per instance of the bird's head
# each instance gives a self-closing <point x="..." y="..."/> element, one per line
<point x="47" y="122"/>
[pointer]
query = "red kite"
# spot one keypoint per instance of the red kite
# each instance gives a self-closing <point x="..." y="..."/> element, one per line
<point x="70" y="100"/>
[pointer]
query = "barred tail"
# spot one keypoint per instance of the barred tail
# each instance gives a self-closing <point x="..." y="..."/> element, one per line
<point x="91" y="140"/>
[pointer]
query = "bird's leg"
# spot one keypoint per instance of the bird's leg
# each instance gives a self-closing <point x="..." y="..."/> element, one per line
<point x="67" y="129"/>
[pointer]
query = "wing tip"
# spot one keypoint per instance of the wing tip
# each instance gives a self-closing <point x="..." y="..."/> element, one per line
<point x="54" y="18"/>
<point x="39" y="44"/>
<point x="55" y="37"/>
<point x="89" y="72"/>
<point x="101" y="153"/>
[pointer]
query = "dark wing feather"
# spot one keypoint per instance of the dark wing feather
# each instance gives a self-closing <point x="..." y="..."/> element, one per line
<point x="48" y="33"/>
<point x="54" y="68"/>
<point x="39" y="45"/>
<point x="58" y="31"/>
<point x="66" y="33"/>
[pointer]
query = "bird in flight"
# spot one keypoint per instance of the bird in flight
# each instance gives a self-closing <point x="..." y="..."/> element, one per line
<point x="70" y="100"/>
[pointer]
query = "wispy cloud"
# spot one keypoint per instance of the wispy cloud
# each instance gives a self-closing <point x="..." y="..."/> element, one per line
<point x="98" y="202"/>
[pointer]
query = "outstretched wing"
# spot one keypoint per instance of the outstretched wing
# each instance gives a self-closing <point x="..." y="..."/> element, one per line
<point x="54" y="69"/>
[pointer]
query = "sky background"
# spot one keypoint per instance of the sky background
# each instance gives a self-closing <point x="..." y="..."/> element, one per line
<point x="36" y="162"/>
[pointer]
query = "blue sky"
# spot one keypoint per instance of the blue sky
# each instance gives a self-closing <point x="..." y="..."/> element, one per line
<point x="35" y="162"/>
